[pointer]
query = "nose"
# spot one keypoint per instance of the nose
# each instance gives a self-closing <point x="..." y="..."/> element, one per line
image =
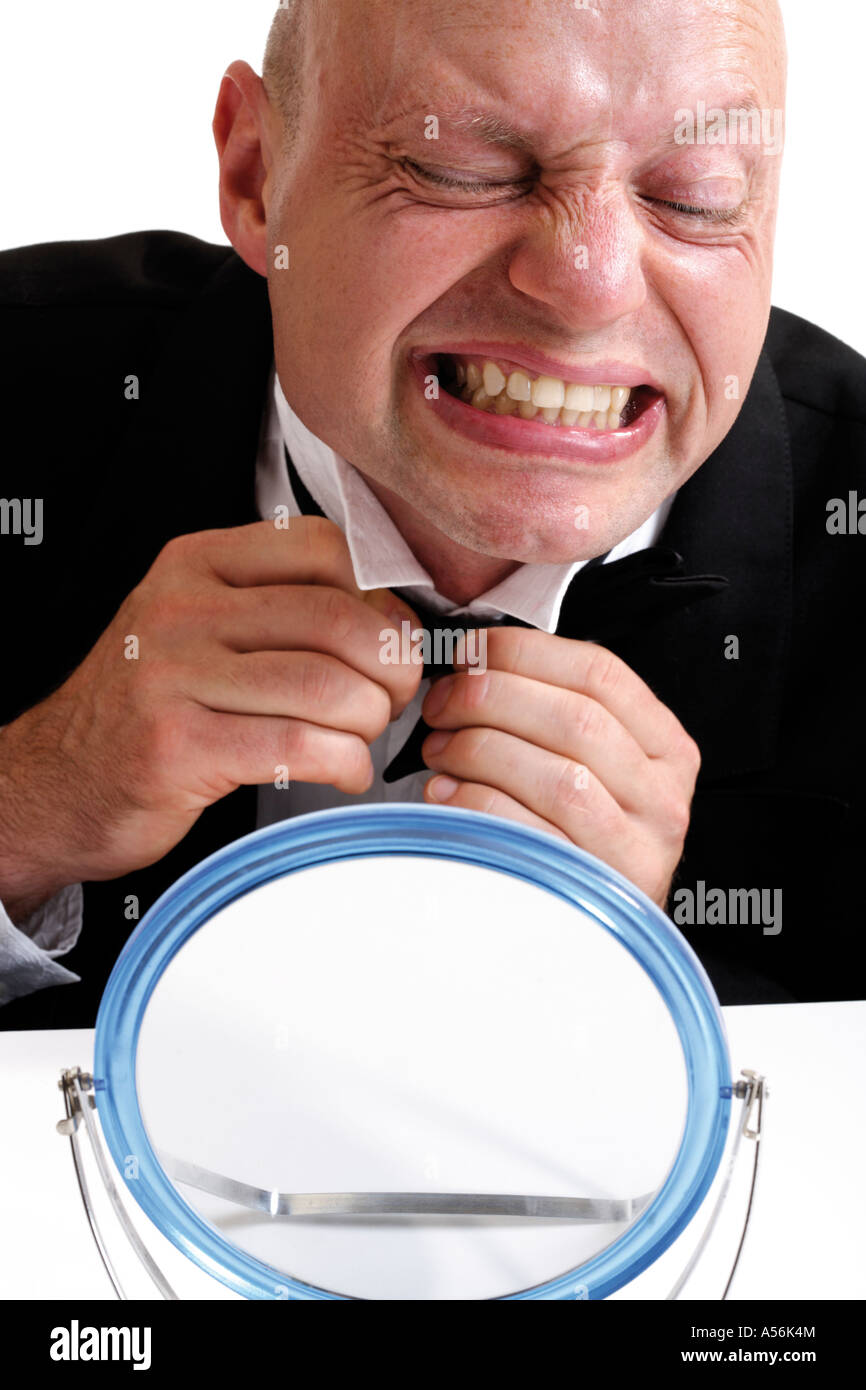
<point x="582" y="256"/>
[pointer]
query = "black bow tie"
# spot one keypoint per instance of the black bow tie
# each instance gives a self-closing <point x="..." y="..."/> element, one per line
<point x="602" y="603"/>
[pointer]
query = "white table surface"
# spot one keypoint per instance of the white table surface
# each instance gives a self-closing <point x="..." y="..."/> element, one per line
<point x="808" y="1227"/>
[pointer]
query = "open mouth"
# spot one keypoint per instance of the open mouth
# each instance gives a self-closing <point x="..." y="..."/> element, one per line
<point x="497" y="387"/>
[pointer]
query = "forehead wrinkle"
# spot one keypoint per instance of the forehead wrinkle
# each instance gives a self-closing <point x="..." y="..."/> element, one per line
<point x="467" y="109"/>
<point x="456" y="99"/>
<point x="469" y="104"/>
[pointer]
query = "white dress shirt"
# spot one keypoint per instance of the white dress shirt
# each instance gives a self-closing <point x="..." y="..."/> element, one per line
<point x="381" y="559"/>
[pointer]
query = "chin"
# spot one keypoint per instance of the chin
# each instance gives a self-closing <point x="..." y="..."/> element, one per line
<point x="510" y="538"/>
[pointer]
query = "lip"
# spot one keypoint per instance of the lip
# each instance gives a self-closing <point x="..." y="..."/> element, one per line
<point x="512" y="433"/>
<point x="610" y="373"/>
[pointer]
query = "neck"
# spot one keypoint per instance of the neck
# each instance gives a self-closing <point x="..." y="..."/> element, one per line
<point x="458" y="574"/>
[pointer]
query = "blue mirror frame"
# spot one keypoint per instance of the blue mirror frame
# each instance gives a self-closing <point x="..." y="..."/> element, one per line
<point x="432" y="832"/>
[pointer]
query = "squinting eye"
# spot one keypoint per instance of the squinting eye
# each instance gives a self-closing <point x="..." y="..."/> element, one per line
<point x="726" y="216"/>
<point x="462" y="185"/>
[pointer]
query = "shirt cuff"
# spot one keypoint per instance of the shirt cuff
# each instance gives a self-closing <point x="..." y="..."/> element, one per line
<point x="28" y="952"/>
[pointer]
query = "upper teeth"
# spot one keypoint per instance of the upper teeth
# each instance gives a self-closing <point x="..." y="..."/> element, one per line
<point x="569" y="403"/>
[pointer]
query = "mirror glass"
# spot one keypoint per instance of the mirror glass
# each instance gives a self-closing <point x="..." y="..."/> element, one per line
<point x="419" y="1028"/>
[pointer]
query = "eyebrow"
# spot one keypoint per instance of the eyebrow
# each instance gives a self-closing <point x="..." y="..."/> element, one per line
<point x="492" y="129"/>
<point x="746" y="103"/>
<point x="489" y="127"/>
<point x="474" y="121"/>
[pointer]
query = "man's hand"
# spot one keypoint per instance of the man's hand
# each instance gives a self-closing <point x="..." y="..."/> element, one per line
<point x="563" y="736"/>
<point x="254" y="651"/>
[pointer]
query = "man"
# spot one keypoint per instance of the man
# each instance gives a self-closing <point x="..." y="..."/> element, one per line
<point x="512" y="269"/>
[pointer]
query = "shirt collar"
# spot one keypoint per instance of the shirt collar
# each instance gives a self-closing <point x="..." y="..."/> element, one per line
<point x="381" y="558"/>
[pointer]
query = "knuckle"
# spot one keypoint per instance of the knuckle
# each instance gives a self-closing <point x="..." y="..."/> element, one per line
<point x="679" y="746"/>
<point x="337" y="613"/>
<point x="485" y="799"/>
<point x="317" y="679"/>
<point x="321" y="537"/>
<point x="678" y="819"/>
<point x="570" y="786"/>
<point x="609" y="822"/>
<point x="305" y="750"/>
<point x="604" y="671"/>
<point x="172" y="608"/>
<point x="235" y="674"/>
<point x="294" y="743"/>
<point x="181" y="551"/>
<point x="402" y="681"/>
<point x="564" y="704"/>
<point x="584" y="716"/>
<point x="398" y="674"/>
<point x="344" y="762"/>
<point x="172" y="552"/>
<point x="674" y="812"/>
<point x="357" y="764"/>
<point x="690" y="753"/>
<point x="471" y="742"/>
<point x="377" y="713"/>
<point x="169" y="737"/>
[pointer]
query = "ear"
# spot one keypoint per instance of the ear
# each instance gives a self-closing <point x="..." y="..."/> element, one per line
<point x="240" y="131"/>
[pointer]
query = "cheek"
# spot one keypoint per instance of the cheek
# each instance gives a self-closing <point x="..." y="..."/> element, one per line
<point x="357" y="297"/>
<point x="721" y="303"/>
<point x="360" y="278"/>
<point x="398" y="268"/>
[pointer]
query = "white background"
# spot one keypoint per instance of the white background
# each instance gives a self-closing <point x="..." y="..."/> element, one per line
<point x="105" y="113"/>
<point x="805" y="1238"/>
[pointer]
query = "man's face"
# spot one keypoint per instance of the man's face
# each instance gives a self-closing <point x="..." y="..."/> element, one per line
<point x="585" y="243"/>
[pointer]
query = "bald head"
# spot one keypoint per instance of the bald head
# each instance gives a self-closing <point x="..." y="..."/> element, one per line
<point x="283" y="64"/>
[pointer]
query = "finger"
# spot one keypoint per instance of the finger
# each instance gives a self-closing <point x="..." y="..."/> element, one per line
<point x="295" y="685"/>
<point x="320" y="618"/>
<point x="594" y="671"/>
<point x="250" y="750"/>
<point x="311" y="550"/>
<point x="559" y="791"/>
<point x="551" y="717"/>
<point x="473" y="796"/>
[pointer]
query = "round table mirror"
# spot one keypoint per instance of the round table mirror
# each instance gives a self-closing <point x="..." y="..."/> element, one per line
<point x="412" y="1053"/>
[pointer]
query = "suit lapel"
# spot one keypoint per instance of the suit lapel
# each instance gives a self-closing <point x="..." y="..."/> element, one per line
<point x="196" y="432"/>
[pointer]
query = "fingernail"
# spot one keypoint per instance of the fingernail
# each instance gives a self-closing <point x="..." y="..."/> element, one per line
<point x="442" y="788"/>
<point x="437" y="697"/>
<point x="398" y="617"/>
<point x="436" y="742"/>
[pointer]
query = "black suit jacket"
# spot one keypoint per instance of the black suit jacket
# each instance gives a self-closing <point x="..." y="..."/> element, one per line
<point x="780" y="799"/>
